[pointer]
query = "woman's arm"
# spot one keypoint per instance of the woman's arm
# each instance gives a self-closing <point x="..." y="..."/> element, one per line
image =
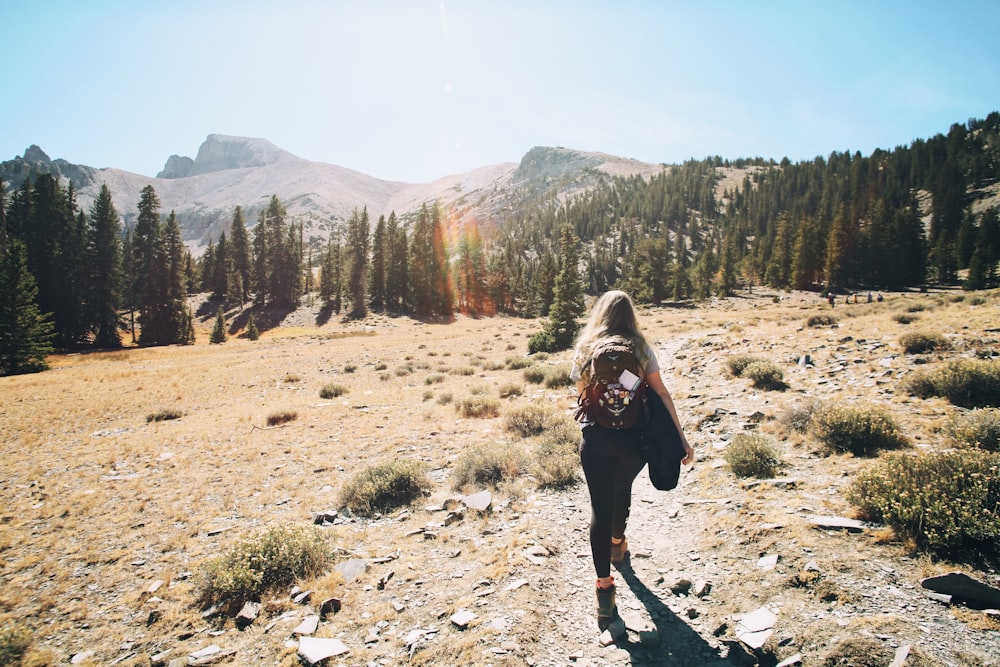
<point x="655" y="382"/>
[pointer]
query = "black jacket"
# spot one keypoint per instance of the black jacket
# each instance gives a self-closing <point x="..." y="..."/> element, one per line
<point x="661" y="445"/>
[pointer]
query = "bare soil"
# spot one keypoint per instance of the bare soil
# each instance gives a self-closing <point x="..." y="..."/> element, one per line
<point x="97" y="504"/>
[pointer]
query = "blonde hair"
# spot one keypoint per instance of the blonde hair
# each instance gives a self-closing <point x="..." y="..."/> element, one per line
<point x="613" y="314"/>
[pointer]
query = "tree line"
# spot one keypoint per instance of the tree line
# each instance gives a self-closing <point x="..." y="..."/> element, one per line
<point x="895" y="219"/>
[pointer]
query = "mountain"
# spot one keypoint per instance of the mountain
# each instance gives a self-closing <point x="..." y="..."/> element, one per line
<point x="240" y="171"/>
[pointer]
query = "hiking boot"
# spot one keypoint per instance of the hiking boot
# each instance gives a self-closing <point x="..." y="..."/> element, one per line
<point x="618" y="551"/>
<point x="606" y="609"/>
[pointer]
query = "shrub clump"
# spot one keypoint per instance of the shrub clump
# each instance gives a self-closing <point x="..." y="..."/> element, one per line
<point x="752" y="455"/>
<point x="531" y="419"/>
<point x="163" y="415"/>
<point x="738" y="362"/>
<point x="978" y="428"/>
<point x="15" y="640"/>
<point x="510" y="389"/>
<point x="944" y="502"/>
<point x="385" y="486"/>
<point x="558" y="376"/>
<point x="765" y="375"/>
<point x="281" y="417"/>
<point x="966" y="383"/>
<point x="862" y="429"/>
<point x="534" y="375"/>
<point x="905" y="318"/>
<point x="489" y="465"/>
<point x="557" y="457"/>
<point x="918" y="342"/>
<point x="821" y="321"/>
<point x="266" y="560"/>
<point x="478" y="407"/>
<point x="332" y="390"/>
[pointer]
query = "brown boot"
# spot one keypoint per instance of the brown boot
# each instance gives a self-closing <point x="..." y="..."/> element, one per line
<point x="618" y="551"/>
<point x="606" y="609"/>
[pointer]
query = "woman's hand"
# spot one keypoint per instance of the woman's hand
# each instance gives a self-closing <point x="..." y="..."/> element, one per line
<point x="688" y="453"/>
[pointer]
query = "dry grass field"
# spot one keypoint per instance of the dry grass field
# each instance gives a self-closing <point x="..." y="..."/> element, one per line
<point x="100" y="499"/>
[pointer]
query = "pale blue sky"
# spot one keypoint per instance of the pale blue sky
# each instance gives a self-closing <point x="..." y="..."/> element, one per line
<point x="419" y="89"/>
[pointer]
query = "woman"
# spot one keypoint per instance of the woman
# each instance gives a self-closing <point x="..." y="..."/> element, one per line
<point x="612" y="458"/>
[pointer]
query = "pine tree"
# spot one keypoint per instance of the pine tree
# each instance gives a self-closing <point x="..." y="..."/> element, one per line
<point x="358" y="230"/>
<point x="380" y="255"/>
<point x="25" y="333"/>
<point x="219" y="330"/>
<point x="104" y="260"/>
<point x="567" y="305"/>
<point x="239" y="250"/>
<point x="252" y="332"/>
<point x="397" y="288"/>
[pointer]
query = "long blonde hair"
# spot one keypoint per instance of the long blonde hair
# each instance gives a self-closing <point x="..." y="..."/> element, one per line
<point x="613" y="314"/>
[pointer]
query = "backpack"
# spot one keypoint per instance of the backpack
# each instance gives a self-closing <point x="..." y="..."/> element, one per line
<point x="615" y="395"/>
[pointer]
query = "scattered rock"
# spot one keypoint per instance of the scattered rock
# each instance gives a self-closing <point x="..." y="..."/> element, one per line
<point x="964" y="589"/>
<point x="479" y="501"/>
<point x="791" y="661"/>
<point x="351" y="569"/>
<point x="615" y="631"/>
<point x="754" y="628"/>
<point x="248" y="614"/>
<point x="302" y="597"/>
<point x="324" y="517"/>
<point x="316" y="649"/>
<point x="308" y="626"/>
<point x="81" y="657"/>
<point x="836" y="522"/>
<point x="701" y="588"/>
<point x="767" y="563"/>
<point x="462" y="618"/>
<point x="902" y="653"/>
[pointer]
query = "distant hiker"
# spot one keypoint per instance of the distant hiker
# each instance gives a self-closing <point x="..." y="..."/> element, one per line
<point x="612" y="457"/>
<point x="832" y="300"/>
<point x="869" y="297"/>
<point x="880" y="297"/>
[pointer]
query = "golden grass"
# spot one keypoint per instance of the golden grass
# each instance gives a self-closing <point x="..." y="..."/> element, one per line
<point x="98" y="503"/>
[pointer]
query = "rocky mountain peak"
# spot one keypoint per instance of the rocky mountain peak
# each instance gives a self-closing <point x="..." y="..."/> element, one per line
<point x="36" y="154"/>
<point x="220" y="152"/>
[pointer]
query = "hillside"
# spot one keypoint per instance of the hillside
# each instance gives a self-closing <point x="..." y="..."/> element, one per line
<point x="239" y="171"/>
<point x="110" y="518"/>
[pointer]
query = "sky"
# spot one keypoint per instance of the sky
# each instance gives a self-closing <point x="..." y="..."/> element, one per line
<point x="415" y="90"/>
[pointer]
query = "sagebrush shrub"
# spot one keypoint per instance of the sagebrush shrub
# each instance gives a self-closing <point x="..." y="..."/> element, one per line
<point x="752" y="455"/>
<point x="918" y="342"/>
<point x="764" y="375"/>
<point x="945" y="502"/>
<point x="558" y="376"/>
<point x="738" y="362"/>
<point x="518" y="363"/>
<point x="531" y="419"/>
<point x="478" y="407"/>
<point x="266" y="560"/>
<point x="385" y="486"/>
<point x="15" y="640"/>
<point x="798" y="417"/>
<point x="166" y="414"/>
<point x="905" y="318"/>
<point x="332" y="390"/>
<point x="966" y="383"/>
<point x="978" y="428"/>
<point x="821" y="321"/>
<point x="281" y="417"/>
<point x="534" y="375"/>
<point x="510" y="389"/>
<point x="862" y="429"/>
<point x="557" y="457"/>
<point x="489" y="464"/>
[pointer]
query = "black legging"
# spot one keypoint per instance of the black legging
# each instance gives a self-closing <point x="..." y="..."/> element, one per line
<point x="611" y="461"/>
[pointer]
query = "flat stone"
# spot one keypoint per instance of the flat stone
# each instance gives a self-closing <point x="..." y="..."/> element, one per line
<point x="462" y="618"/>
<point x="615" y="631"/>
<point x="964" y="589"/>
<point x="248" y="614"/>
<point x="81" y="657"/>
<point x="351" y="569"/>
<point x="308" y="626"/>
<point x="768" y="562"/>
<point x="315" y="649"/>
<point x="836" y="522"/>
<point x="206" y="652"/>
<point x="479" y="501"/>
<point x="902" y="653"/>
<point x="701" y="588"/>
<point x="791" y="661"/>
<point x="754" y="628"/>
<point x="329" y="606"/>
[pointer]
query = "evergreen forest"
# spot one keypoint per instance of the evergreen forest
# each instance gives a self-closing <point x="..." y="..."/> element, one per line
<point x="914" y="216"/>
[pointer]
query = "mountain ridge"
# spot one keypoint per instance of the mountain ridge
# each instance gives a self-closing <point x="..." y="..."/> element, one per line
<point x="230" y="171"/>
